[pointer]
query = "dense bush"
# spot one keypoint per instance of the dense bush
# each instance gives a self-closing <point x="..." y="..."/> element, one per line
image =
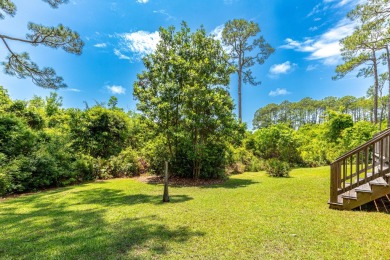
<point x="99" y="132"/>
<point x="277" y="141"/>
<point x="241" y="159"/>
<point x="277" y="168"/>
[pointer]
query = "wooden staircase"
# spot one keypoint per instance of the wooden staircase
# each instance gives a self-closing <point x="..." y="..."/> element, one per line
<point x="361" y="175"/>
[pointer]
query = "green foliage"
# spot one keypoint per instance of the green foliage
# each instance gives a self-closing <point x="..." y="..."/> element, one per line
<point x="336" y="123"/>
<point x="155" y="152"/>
<point x="127" y="164"/>
<point x="277" y="168"/>
<point x="99" y="132"/>
<point x="277" y="141"/>
<point x="242" y="159"/>
<point x="43" y="145"/>
<point x="356" y="135"/>
<point x="313" y="146"/>
<point x="20" y="65"/>
<point x="310" y="111"/>
<point x="183" y="90"/>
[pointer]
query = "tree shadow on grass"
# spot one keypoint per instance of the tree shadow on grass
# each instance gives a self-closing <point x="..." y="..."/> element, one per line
<point x="232" y="184"/>
<point x="110" y="197"/>
<point x="64" y="230"/>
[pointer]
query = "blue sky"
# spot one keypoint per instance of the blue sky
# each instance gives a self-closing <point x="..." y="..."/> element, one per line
<point x="117" y="33"/>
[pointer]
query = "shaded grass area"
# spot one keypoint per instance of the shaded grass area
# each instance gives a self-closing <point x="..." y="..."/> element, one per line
<point x="249" y="216"/>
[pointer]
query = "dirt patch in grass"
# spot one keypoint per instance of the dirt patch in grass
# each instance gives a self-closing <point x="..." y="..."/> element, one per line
<point x="177" y="181"/>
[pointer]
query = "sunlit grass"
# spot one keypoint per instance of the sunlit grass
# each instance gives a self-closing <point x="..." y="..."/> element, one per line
<point x="250" y="216"/>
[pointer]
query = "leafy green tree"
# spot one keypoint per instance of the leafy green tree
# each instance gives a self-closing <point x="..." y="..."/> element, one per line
<point x="183" y="90"/>
<point x="5" y="101"/>
<point x="371" y="36"/>
<point x="99" y="132"/>
<point x="244" y="53"/>
<point x="277" y="141"/>
<point x="20" y="64"/>
<point x="112" y="102"/>
<point x="336" y="123"/>
<point x="376" y="13"/>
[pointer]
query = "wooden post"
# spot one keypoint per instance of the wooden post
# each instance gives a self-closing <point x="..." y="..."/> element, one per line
<point x="334" y="171"/>
<point x="166" y="195"/>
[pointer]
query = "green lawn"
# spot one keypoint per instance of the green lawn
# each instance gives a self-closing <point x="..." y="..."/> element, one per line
<point x="250" y="216"/>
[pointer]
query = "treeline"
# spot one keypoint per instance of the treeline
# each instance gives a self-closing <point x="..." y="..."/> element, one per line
<point x="310" y="111"/>
<point x="312" y="144"/>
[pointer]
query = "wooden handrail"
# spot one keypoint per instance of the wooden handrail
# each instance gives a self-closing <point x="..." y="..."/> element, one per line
<point x="360" y="147"/>
<point x="347" y="170"/>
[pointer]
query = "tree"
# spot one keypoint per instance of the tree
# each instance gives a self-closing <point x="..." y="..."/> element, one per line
<point x="183" y="90"/>
<point x="20" y="64"/>
<point x="112" y="102"/>
<point x="372" y="35"/>
<point x="236" y="35"/>
<point x="359" y="49"/>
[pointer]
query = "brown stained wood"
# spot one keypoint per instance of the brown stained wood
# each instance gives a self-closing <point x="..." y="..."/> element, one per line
<point x="357" y="166"/>
<point x="366" y="163"/>
<point x="379" y="136"/>
<point x="348" y="188"/>
<point x="376" y="206"/>
<point x="364" y="188"/>
<point x="384" y="205"/>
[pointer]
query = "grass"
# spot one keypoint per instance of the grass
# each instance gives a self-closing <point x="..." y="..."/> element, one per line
<point x="250" y="216"/>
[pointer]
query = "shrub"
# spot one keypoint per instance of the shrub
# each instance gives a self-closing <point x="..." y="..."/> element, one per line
<point x="276" y="168"/>
<point x="236" y="168"/>
<point x="241" y="159"/>
<point x="126" y="164"/>
<point x="255" y="165"/>
<point x="84" y="167"/>
<point x="277" y="141"/>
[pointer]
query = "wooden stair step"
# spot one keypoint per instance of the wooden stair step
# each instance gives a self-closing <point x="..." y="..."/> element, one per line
<point x="379" y="181"/>
<point x="364" y="188"/>
<point x="349" y="195"/>
<point x="385" y="167"/>
<point x="385" y="159"/>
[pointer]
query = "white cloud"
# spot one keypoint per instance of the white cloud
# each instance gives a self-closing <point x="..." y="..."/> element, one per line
<point x="326" y="5"/>
<point x="100" y="45"/>
<point x="324" y="47"/>
<point x="116" y="89"/>
<point x="278" y="92"/>
<point x="140" y="43"/>
<point x="217" y="32"/>
<point x="164" y="12"/>
<point x="72" y="89"/>
<point x="120" y="55"/>
<point x="282" y="68"/>
<point x="142" y="1"/>
<point x="311" y="67"/>
<point x="340" y="3"/>
<point x="313" y="28"/>
<point x="316" y="9"/>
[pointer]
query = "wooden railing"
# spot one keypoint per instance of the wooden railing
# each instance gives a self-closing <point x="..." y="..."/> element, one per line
<point x="361" y="165"/>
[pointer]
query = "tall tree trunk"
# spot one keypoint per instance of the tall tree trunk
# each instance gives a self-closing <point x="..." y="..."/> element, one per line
<point x="388" y="98"/>
<point x="239" y="94"/>
<point x="375" y="87"/>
